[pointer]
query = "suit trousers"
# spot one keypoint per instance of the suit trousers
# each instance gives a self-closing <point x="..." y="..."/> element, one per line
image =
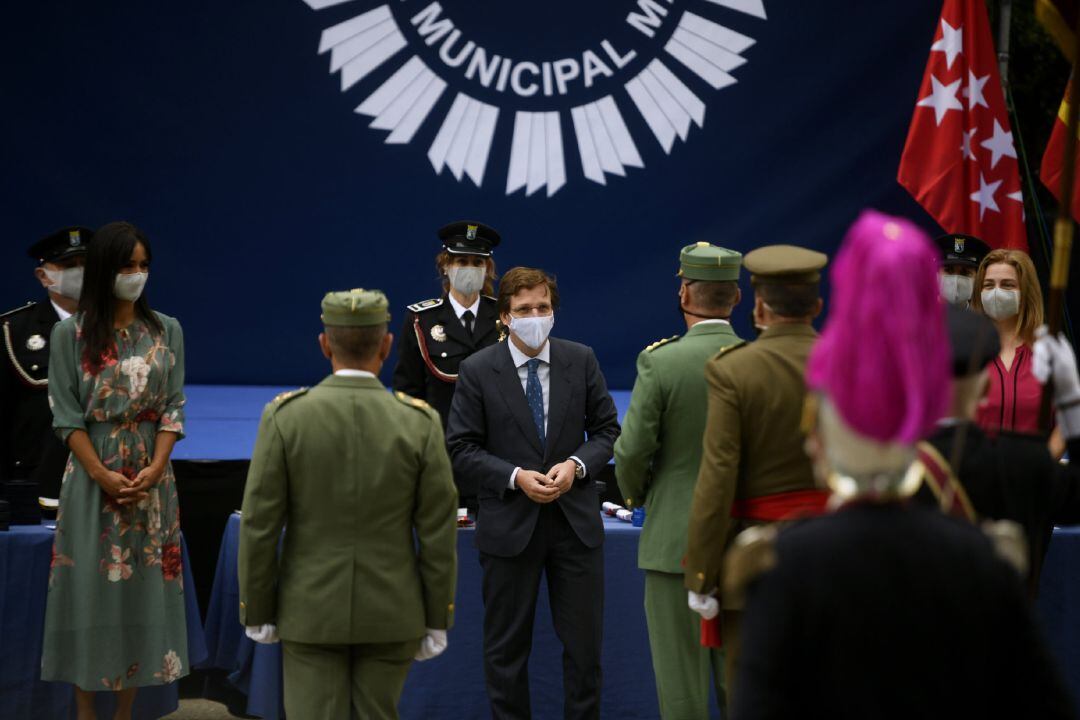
<point x="683" y="668"/>
<point x="575" y="579"/>
<point x="323" y="681"/>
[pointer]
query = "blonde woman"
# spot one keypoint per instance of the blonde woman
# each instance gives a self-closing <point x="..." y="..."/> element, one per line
<point x="1008" y="292"/>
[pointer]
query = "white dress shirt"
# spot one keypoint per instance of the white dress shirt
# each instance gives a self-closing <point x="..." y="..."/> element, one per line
<point x="460" y="309"/>
<point x="353" y="372"/>
<point x="543" y="372"/>
<point x="61" y="312"/>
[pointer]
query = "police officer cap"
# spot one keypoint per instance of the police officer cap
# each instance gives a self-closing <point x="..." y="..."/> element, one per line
<point x="959" y="249"/>
<point x="974" y="340"/>
<point x="355" y="308"/>
<point x="702" y="261"/>
<point x="785" y="264"/>
<point x="468" y="237"/>
<point x="64" y="243"/>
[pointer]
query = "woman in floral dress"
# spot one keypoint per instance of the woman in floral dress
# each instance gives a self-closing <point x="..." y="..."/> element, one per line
<point x="115" y="614"/>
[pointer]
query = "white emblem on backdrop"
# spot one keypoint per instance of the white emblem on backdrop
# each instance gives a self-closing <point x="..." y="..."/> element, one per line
<point x="463" y="143"/>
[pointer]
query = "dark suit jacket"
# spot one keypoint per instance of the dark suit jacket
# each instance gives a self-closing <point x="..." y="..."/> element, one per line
<point x="1015" y="478"/>
<point x="491" y="431"/>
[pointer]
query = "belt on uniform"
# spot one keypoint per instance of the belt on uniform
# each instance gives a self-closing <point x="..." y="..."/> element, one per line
<point x="781" y="506"/>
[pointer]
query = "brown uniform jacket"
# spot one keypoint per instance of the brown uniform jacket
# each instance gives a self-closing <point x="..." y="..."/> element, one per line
<point x="753" y="443"/>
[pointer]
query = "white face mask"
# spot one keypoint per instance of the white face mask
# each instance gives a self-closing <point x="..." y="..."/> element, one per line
<point x="67" y="282"/>
<point x="129" y="286"/>
<point x="956" y="289"/>
<point x="466" y="280"/>
<point x="533" y="331"/>
<point x="1001" y="304"/>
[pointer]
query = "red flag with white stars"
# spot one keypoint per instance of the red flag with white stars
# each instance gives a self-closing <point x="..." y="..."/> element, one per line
<point x="959" y="161"/>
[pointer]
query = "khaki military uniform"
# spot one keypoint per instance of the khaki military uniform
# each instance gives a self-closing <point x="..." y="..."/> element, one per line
<point x="752" y="447"/>
<point x="356" y="472"/>
<point x="656" y="464"/>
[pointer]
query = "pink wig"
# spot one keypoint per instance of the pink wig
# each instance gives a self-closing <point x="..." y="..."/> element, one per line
<point x="883" y="357"/>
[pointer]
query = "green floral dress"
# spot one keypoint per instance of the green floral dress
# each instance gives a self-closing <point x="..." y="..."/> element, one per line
<point x="115" y="614"/>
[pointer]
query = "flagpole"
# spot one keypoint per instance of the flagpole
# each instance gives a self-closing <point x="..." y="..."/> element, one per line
<point x="1004" y="26"/>
<point x="1063" y="226"/>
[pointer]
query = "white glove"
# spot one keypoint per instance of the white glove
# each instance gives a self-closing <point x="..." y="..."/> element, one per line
<point x="266" y="634"/>
<point x="433" y="644"/>
<point x="1054" y="358"/>
<point x="704" y="605"/>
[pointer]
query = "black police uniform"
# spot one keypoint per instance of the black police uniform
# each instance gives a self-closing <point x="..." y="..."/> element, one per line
<point x="30" y="452"/>
<point x="434" y="342"/>
<point x="892" y="611"/>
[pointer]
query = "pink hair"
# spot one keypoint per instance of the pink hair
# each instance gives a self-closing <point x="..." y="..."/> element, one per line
<point x="883" y="357"/>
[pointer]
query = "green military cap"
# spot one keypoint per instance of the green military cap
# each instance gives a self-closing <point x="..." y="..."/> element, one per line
<point x="702" y="261"/>
<point x="355" y="308"/>
<point x="785" y="264"/>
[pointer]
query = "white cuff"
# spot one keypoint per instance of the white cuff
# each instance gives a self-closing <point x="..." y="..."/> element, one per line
<point x="584" y="467"/>
<point x="513" y="479"/>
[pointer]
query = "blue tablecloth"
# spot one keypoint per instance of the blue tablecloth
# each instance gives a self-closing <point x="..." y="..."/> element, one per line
<point x="1059" y="603"/>
<point x="452" y="685"/>
<point x="25" y="555"/>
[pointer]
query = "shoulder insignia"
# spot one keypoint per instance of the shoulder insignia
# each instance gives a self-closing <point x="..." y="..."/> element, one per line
<point x="752" y="553"/>
<point x="282" y="398"/>
<point x="425" y="305"/>
<point x="411" y="401"/>
<point x="16" y="311"/>
<point x="728" y="348"/>
<point x="1009" y="543"/>
<point x="662" y="342"/>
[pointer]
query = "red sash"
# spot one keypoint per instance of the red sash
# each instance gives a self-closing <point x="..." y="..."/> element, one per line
<point x="767" y="508"/>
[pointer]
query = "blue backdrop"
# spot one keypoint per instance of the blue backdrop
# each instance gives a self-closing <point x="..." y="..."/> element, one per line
<point x="220" y="129"/>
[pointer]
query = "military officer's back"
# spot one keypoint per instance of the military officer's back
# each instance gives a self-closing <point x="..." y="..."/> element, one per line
<point x="656" y="464"/>
<point x="357" y="471"/>
<point x="753" y="466"/>
<point x="32" y="458"/>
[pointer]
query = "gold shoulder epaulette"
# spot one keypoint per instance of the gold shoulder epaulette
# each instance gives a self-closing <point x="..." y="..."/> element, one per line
<point x="728" y="348"/>
<point x="411" y="401"/>
<point x="752" y="553"/>
<point x="662" y="342"/>
<point x="282" y="398"/>
<point x="425" y="305"/>
<point x="1009" y="543"/>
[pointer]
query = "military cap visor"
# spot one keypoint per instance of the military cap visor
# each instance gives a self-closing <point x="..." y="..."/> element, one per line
<point x="785" y="264"/>
<point x="468" y="237"/>
<point x="703" y="261"/>
<point x="64" y="243"/>
<point x="960" y="249"/>
<point x="355" y="308"/>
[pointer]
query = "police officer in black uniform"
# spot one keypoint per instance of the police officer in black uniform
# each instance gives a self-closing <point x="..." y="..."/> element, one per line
<point x="439" y="333"/>
<point x="32" y="458"/>
<point x="960" y="258"/>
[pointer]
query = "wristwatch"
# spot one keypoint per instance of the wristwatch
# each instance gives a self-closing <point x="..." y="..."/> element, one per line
<point x="579" y="469"/>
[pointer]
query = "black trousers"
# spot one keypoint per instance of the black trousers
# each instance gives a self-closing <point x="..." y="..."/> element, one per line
<point x="575" y="579"/>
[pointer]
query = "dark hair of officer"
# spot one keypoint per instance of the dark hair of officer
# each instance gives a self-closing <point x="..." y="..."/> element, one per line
<point x="713" y="296"/>
<point x="523" y="278"/>
<point x="110" y="252"/>
<point x="789" y="300"/>
<point x="444" y="259"/>
<point x="355" y="345"/>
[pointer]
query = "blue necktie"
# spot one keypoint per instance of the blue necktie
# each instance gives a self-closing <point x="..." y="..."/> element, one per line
<point x="534" y="394"/>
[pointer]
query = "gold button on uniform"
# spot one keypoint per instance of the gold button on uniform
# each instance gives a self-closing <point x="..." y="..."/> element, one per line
<point x="701" y="576"/>
<point x="451" y="607"/>
<point x="242" y="605"/>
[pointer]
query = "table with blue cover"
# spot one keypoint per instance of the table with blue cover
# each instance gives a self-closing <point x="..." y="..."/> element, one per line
<point x="25" y="556"/>
<point x="452" y="685"/>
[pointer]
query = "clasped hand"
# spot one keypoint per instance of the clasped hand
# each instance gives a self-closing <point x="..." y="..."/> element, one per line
<point x="130" y="490"/>
<point x="545" y="487"/>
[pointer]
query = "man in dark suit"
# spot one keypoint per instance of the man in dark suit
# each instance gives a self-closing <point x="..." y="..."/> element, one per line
<point x="532" y="420"/>
<point x="32" y="458"/>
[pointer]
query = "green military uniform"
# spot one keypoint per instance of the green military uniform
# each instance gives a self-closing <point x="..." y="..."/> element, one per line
<point x="753" y="443"/>
<point x="356" y="471"/>
<point x="656" y="463"/>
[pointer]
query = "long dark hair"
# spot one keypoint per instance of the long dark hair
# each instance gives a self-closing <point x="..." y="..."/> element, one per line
<point x="109" y="251"/>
